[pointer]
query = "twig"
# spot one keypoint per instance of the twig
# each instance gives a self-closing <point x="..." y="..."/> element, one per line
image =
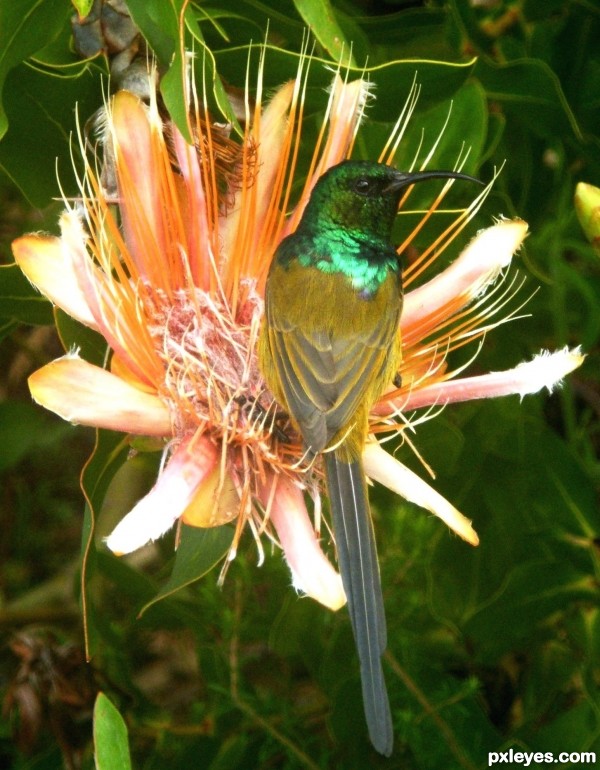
<point x="245" y="707"/>
<point x="445" y="730"/>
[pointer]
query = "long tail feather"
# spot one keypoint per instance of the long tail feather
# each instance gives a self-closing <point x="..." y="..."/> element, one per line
<point x="357" y="557"/>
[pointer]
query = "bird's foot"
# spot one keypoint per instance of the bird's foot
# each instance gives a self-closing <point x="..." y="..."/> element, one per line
<point x="252" y="407"/>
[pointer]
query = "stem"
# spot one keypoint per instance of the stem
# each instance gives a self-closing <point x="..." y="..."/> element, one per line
<point x="245" y="707"/>
<point x="430" y="710"/>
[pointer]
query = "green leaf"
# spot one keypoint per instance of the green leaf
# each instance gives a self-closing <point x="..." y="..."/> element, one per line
<point x="25" y="27"/>
<point x="320" y="18"/>
<point x="83" y="7"/>
<point x="7" y="328"/>
<point x="464" y="123"/>
<point x="468" y="17"/>
<point x="91" y="344"/>
<point x="24" y="427"/>
<point x="206" y="71"/>
<point x="251" y="20"/>
<point x="536" y="523"/>
<point x="42" y="111"/>
<point x="198" y="552"/>
<point x="414" y="32"/>
<point x="531" y="92"/>
<point x="109" y="454"/>
<point x="130" y="582"/>
<point x="392" y="80"/>
<point x="20" y="301"/>
<point x="158" y="21"/>
<point x="111" y="745"/>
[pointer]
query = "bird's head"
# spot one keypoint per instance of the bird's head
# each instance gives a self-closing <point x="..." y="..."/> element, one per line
<point x="363" y="196"/>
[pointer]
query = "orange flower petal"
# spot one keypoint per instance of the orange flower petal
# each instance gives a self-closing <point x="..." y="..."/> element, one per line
<point x="51" y="271"/>
<point x="243" y="228"/>
<point x="141" y="160"/>
<point x="88" y="395"/>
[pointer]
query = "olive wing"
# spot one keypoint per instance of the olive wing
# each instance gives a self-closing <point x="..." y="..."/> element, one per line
<point x="328" y="365"/>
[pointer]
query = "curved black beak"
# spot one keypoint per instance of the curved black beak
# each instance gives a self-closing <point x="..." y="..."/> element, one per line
<point x="403" y="179"/>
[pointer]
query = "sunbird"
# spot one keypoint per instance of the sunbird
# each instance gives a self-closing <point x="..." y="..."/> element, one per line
<point x="329" y="347"/>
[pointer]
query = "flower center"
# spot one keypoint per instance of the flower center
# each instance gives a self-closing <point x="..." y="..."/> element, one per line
<point x="211" y="368"/>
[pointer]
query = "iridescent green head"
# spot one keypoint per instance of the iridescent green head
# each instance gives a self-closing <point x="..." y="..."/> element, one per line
<point x="362" y="197"/>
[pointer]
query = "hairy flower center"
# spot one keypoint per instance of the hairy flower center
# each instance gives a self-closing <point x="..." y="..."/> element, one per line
<point x="211" y="368"/>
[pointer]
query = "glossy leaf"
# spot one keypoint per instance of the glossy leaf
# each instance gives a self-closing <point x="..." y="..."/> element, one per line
<point x="42" y="430"/>
<point x="199" y="550"/>
<point x="392" y="80"/>
<point x="19" y="300"/>
<point x="41" y="113"/>
<point x="74" y="336"/>
<point x="320" y="18"/>
<point x="111" y="745"/>
<point x="109" y="454"/>
<point x="530" y="91"/>
<point x="25" y="27"/>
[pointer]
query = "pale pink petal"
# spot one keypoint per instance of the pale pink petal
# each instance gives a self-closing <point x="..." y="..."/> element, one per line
<point x="198" y="233"/>
<point x="546" y="370"/>
<point x="382" y="467"/>
<point x="466" y="278"/>
<point x="346" y="108"/>
<point x="312" y="572"/>
<point x="136" y="139"/>
<point x="51" y="271"/>
<point x="269" y="134"/>
<point x="173" y="492"/>
<point x="85" y="394"/>
<point x="242" y="228"/>
<point x="108" y="301"/>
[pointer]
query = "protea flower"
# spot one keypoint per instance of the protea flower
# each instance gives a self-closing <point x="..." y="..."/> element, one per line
<point x="173" y="276"/>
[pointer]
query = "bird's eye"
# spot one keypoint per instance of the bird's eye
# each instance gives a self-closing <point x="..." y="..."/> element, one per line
<point x="362" y="186"/>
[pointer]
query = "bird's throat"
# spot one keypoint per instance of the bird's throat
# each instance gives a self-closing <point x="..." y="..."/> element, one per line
<point x="366" y="262"/>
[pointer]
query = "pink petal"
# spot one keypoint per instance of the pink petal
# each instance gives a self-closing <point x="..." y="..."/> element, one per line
<point x="242" y="228"/>
<point x="198" y="246"/>
<point x="45" y="263"/>
<point x="108" y="301"/>
<point x="312" y="572"/>
<point x="546" y="370"/>
<point x="85" y="394"/>
<point x="173" y="492"/>
<point x="346" y="108"/>
<point x="382" y="467"/>
<point x="135" y="135"/>
<point x="466" y="278"/>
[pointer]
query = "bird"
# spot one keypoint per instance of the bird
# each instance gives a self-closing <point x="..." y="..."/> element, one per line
<point x="329" y="346"/>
